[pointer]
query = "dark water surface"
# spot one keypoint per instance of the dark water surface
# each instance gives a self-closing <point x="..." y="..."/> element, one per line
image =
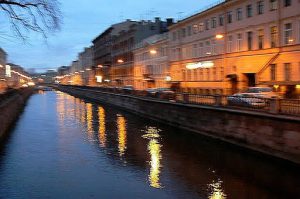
<point x="64" y="147"/>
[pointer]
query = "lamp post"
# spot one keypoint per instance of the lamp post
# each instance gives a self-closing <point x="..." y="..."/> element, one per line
<point x="221" y="37"/>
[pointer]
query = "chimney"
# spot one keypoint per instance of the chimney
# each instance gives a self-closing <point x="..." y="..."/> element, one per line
<point x="170" y="21"/>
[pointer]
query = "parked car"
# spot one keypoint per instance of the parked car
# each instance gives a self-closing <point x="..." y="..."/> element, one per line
<point x="246" y="100"/>
<point x="151" y="92"/>
<point x="165" y="93"/>
<point x="128" y="89"/>
<point x="263" y="92"/>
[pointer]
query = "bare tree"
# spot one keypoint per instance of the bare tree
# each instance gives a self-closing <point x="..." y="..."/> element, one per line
<point x="42" y="16"/>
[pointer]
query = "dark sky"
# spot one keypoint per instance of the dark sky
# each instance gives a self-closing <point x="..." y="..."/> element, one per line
<point x="84" y="20"/>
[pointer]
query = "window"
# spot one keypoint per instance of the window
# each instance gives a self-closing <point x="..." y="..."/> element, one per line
<point x="189" y="30"/>
<point x="208" y="48"/>
<point x="260" y="7"/>
<point x="201" y="49"/>
<point x="273" y="72"/>
<point x="207" y="24"/>
<point x="195" y="29"/>
<point x="249" y="39"/>
<point x="239" y="14"/>
<point x="229" y="17"/>
<point x="183" y="32"/>
<point x="174" y="36"/>
<point x="260" y="39"/>
<point x="274" y="35"/>
<point x="201" y="27"/>
<point x="229" y="45"/>
<point x="239" y="42"/>
<point x="214" y="47"/>
<point x="287" y="3"/>
<point x="249" y="11"/>
<point x="288" y="33"/>
<point x="214" y="22"/>
<point x="287" y="71"/>
<point x="273" y="5"/>
<point x="221" y="20"/>
<point x="195" y="49"/>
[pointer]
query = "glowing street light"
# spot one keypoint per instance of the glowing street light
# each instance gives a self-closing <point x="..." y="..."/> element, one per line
<point x="153" y="52"/>
<point x="219" y="36"/>
<point x="120" y="61"/>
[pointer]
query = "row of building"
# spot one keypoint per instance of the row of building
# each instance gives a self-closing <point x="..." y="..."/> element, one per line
<point x="229" y="47"/>
<point x="11" y="75"/>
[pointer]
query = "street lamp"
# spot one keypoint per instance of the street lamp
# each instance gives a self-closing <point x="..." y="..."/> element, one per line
<point x="219" y="36"/>
<point x="153" y="52"/>
<point x="120" y="61"/>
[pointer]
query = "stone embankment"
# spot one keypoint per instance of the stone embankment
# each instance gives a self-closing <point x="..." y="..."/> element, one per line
<point x="11" y="106"/>
<point x="272" y="134"/>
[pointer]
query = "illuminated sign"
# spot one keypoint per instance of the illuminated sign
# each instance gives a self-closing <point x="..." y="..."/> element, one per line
<point x="99" y="79"/>
<point x="7" y="71"/>
<point x="205" y="64"/>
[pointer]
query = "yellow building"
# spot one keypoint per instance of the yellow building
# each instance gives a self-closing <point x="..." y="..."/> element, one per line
<point x="238" y="44"/>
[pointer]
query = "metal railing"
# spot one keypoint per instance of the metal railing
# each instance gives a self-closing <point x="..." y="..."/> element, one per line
<point x="289" y="106"/>
<point x="268" y="105"/>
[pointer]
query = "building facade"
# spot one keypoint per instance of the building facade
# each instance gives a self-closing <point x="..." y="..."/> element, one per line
<point x="3" y="57"/>
<point x="123" y="44"/>
<point x="238" y="44"/>
<point x="102" y="48"/>
<point x="151" y="67"/>
<point x="86" y="65"/>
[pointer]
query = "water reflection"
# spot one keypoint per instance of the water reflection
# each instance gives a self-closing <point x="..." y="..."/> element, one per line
<point x="101" y="131"/>
<point x="216" y="191"/>
<point x="122" y="134"/>
<point x="161" y="162"/>
<point x="89" y="120"/>
<point x="154" y="148"/>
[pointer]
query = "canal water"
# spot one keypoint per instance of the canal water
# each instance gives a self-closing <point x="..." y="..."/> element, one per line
<point x="65" y="147"/>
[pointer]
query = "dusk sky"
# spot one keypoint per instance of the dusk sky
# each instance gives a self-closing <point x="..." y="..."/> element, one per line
<point x="83" y="21"/>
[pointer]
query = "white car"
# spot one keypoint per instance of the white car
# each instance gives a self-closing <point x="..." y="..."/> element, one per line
<point x="260" y="92"/>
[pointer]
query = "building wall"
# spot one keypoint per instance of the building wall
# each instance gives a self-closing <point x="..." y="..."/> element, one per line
<point x="151" y="65"/>
<point x="192" y="41"/>
<point x="3" y="57"/>
<point x="123" y="45"/>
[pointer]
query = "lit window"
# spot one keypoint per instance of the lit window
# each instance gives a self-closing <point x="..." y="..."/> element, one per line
<point x="239" y="42"/>
<point x="273" y="5"/>
<point x="288" y="34"/>
<point x="261" y="39"/>
<point x="274" y="35"/>
<point x="195" y="29"/>
<point x="201" y="27"/>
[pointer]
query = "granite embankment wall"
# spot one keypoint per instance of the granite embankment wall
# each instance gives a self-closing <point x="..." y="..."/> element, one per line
<point x="275" y="135"/>
<point x="11" y="107"/>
